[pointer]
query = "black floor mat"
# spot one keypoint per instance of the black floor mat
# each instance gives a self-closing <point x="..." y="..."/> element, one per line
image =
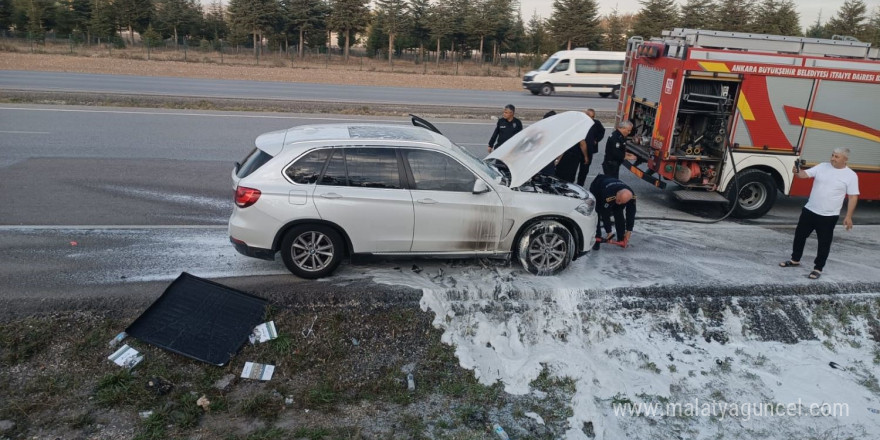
<point x="200" y="319"/>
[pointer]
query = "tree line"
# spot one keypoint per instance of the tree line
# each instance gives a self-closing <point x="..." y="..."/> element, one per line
<point x="489" y="28"/>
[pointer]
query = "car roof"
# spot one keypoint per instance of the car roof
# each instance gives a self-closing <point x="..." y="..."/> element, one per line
<point x="274" y="142"/>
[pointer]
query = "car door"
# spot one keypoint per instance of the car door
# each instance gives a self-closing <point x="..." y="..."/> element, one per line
<point x="561" y="76"/>
<point x="449" y="217"/>
<point x="361" y="191"/>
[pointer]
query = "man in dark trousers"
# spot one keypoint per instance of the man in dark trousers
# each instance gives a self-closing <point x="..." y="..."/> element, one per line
<point x="613" y="198"/>
<point x="594" y="136"/>
<point x="615" y="149"/>
<point x="573" y="165"/>
<point x="506" y="127"/>
<point x="833" y="182"/>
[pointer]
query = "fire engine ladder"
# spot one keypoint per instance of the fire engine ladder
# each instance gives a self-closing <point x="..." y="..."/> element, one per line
<point x="841" y="48"/>
<point x="626" y="83"/>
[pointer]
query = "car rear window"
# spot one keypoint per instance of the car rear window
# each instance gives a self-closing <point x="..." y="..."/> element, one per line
<point x="254" y="160"/>
<point x="307" y="169"/>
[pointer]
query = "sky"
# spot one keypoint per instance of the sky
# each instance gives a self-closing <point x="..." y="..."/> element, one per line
<point x="809" y="9"/>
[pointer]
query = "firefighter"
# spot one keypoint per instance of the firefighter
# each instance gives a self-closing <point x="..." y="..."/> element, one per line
<point x="613" y="198"/>
<point x="833" y="182"/>
<point x="615" y="149"/>
<point x="506" y="127"/>
<point x="594" y="136"/>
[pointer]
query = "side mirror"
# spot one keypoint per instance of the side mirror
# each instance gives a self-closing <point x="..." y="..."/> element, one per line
<point x="480" y="187"/>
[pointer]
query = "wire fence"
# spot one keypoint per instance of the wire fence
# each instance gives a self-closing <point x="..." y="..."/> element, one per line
<point x="426" y="61"/>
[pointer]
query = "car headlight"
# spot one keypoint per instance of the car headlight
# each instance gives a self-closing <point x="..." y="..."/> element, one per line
<point x="587" y="207"/>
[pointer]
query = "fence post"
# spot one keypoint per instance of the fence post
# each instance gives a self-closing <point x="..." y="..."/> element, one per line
<point x="185" y="46"/>
<point x="221" y="51"/>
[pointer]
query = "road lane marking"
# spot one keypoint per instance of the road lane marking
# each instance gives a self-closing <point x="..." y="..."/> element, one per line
<point x="212" y="115"/>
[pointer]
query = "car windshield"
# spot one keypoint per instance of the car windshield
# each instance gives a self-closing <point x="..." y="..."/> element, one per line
<point x="547" y="64"/>
<point x="476" y="163"/>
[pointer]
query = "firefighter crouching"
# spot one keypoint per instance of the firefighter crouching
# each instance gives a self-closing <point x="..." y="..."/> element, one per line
<point x="613" y="198"/>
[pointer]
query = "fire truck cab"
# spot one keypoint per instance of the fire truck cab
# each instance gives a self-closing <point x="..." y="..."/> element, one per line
<point x="708" y="106"/>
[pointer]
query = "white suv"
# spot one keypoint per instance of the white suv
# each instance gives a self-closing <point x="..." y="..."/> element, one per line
<point x="319" y="193"/>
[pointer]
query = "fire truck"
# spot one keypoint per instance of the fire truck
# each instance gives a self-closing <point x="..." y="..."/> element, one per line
<point x="726" y="116"/>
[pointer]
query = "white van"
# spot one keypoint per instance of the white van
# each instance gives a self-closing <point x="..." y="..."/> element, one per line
<point x="578" y="70"/>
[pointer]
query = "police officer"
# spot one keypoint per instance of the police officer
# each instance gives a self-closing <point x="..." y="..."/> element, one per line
<point x="594" y="136"/>
<point x="613" y="198"/>
<point x="506" y="127"/>
<point x="615" y="149"/>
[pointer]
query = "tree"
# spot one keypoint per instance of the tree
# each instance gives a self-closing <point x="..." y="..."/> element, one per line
<point x="502" y="23"/>
<point x="302" y="17"/>
<point x="735" y="15"/>
<point x="538" y="39"/>
<point x="252" y="17"/>
<point x="698" y="14"/>
<point x="440" y="24"/>
<point x="215" y="25"/>
<point x="873" y="31"/>
<point x="480" y="22"/>
<point x="35" y="14"/>
<point x="778" y="17"/>
<point x="134" y="15"/>
<point x="103" y="21"/>
<point x="177" y="17"/>
<point x="5" y="14"/>
<point x="655" y="17"/>
<point x="348" y="16"/>
<point x="71" y="16"/>
<point x="420" y="30"/>
<point x="576" y="23"/>
<point x="850" y="19"/>
<point x="817" y="30"/>
<point x="394" y="18"/>
<point x="615" y="32"/>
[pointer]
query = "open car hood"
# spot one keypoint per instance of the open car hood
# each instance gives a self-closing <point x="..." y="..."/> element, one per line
<point x="529" y="151"/>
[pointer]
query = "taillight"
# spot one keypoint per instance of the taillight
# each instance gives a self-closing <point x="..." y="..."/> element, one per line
<point x="245" y="197"/>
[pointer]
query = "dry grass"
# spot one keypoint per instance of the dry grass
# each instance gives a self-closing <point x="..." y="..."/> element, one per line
<point x="313" y="69"/>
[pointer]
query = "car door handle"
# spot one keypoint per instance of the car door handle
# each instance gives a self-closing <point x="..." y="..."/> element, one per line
<point x="331" y="196"/>
<point x="427" y="201"/>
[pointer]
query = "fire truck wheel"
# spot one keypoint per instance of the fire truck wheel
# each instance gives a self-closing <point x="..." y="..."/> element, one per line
<point x="547" y="89"/>
<point x="757" y="194"/>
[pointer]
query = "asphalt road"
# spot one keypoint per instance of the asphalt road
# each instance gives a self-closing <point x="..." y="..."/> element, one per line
<point x="110" y="204"/>
<point x="250" y="89"/>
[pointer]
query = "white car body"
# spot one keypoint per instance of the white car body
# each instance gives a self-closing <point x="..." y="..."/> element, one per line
<point x="488" y="218"/>
<point x="578" y="71"/>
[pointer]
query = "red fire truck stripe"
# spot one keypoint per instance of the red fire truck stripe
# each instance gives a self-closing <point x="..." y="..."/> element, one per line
<point x="764" y="129"/>
<point x="824" y="121"/>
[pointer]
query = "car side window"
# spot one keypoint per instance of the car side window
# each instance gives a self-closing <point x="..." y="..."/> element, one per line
<point x="372" y="167"/>
<point x="562" y="66"/>
<point x="611" y="66"/>
<point x="335" y="174"/>
<point x="307" y="168"/>
<point x="586" y="66"/>
<point x="434" y="171"/>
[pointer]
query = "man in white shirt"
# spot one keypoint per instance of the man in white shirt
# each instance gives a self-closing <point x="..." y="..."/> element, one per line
<point x="833" y="183"/>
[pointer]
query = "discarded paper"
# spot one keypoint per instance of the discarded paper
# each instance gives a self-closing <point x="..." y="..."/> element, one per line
<point x="263" y="332"/>
<point x="126" y="357"/>
<point x="253" y="370"/>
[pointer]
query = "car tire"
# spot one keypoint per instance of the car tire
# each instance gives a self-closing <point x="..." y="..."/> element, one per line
<point x="604" y="95"/>
<point x="545" y="247"/>
<point x="546" y="89"/>
<point x="757" y="194"/>
<point x="615" y="93"/>
<point x="535" y="92"/>
<point x="312" y="251"/>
